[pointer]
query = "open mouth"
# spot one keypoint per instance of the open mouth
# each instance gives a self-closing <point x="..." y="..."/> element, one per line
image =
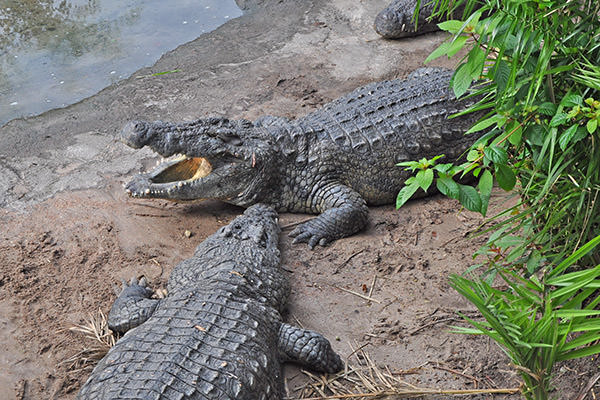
<point x="172" y="178"/>
<point x="183" y="169"/>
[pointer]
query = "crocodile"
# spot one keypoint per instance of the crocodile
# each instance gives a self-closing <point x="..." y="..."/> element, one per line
<point x="396" y="20"/>
<point x="218" y="334"/>
<point x="332" y="162"/>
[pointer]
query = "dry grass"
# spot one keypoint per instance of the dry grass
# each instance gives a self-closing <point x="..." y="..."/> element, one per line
<point x="364" y="380"/>
<point x="96" y="330"/>
<point x="361" y="380"/>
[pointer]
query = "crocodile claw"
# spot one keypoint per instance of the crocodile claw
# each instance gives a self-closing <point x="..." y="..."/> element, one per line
<point x="310" y="234"/>
<point x="136" y="287"/>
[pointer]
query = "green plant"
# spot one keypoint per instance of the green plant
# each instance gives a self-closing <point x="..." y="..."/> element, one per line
<point x="535" y="68"/>
<point x="534" y="61"/>
<point x="540" y="319"/>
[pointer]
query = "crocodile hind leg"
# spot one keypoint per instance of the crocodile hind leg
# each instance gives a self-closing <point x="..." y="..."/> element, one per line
<point x="343" y="212"/>
<point x="133" y="306"/>
<point x="308" y="348"/>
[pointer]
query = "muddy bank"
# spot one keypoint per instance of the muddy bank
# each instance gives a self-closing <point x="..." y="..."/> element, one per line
<point x="280" y="58"/>
<point x="69" y="233"/>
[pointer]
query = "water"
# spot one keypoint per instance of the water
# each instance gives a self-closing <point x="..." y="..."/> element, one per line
<point x="56" y="52"/>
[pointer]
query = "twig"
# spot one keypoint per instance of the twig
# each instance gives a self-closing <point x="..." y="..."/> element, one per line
<point x="389" y="303"/>
<point x="439" y="321"/>
<point x="151" y="215"/>
<point x="372" y="285"/>
<point x="356" y="351"/>
<point x="300" y="324"/>
<point x="358" y="294"/>
<point x="581" y="395"/>
<point x="337" y="269"/>
<point x="470" y="377"/>
<point x="417" y="392"/>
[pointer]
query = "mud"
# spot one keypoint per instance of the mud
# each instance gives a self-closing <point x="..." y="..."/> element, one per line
<point x="69" y="233"/>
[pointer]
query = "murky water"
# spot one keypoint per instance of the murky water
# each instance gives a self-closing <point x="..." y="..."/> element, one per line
<point x="56" y="52"/>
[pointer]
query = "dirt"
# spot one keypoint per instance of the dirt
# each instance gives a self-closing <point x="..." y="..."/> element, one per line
<point x="69" y="234"/>
<point x="63" y="258"/>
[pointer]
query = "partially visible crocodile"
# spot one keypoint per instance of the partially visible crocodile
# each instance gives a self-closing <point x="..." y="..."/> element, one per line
<point x="396" y="20"/>
<point x="332" y="162"/>
<point x="218" y="333"/>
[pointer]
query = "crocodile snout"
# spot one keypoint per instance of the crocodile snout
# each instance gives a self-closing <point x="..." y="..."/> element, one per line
<point x="133" y="134"/>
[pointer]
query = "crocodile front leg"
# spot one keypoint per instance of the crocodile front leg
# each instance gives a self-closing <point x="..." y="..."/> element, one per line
<point x="343" y="213"/>
<point x="308" y="348"/>
<point x="133" y="306"/>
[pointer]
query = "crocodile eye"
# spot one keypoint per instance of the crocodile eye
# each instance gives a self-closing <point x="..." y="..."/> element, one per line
<point x="229" y="136"/>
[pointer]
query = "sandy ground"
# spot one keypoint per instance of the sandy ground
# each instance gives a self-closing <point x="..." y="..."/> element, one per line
<point x="69" y="233"/>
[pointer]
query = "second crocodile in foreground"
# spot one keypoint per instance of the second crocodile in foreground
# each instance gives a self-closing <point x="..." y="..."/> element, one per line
<point x="218" y="333"/>
<point x="333" y="161"/>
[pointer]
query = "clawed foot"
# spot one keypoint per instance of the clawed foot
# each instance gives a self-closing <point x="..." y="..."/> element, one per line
<point x="135" y="288"/>
<point x="312" y="233"/>
<point x="132" y="307"/>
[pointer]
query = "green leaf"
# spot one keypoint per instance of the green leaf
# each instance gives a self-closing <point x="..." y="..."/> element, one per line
<point x="410" y="164"/>
<point x="559" y="119"/>
<point x="472" y="155"/>
<point x="453" y="26"/>
<point x="562" y="313"/>
<point x="547" y="108"/>
<point x="166" y="72"/>
<point x="424" y="178"/>
<point x="505" y="176"/>
<point x="583" y="352"/>
<point x="486" y="183"/>
<point x="517" y="132"/>
<point x="581" y="133"/>
<point x="457" y="45"/>
<point x="535" y="134"/>
<point x="444" y="168"/>
<point x="486" y="123"/>
<point x="440" y="51"/>
<point x="572" y="100"/>
<point x="448" y="187"/>
<point x="509" y="241"/>
<point x="591" y="125"/>
<point x="469" y="198"/>
<point x="566" y="137"/>
<point x="461" y="80"/>
<point x="476" y="62"/>
<point x="501" y="75"/>
<point x="573" y="258"/>
<point x="533" y="262"/>
<point x="406" y="193"/>
<point x="496" y="154"/>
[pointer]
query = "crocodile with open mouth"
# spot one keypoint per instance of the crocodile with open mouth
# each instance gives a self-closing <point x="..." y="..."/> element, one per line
<point x="332" y="162"/>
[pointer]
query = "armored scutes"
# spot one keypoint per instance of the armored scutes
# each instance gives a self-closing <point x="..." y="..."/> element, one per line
<point x="332" y="162"/>
<point x="396" y="20"/>
<point x="218" y="333"/>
